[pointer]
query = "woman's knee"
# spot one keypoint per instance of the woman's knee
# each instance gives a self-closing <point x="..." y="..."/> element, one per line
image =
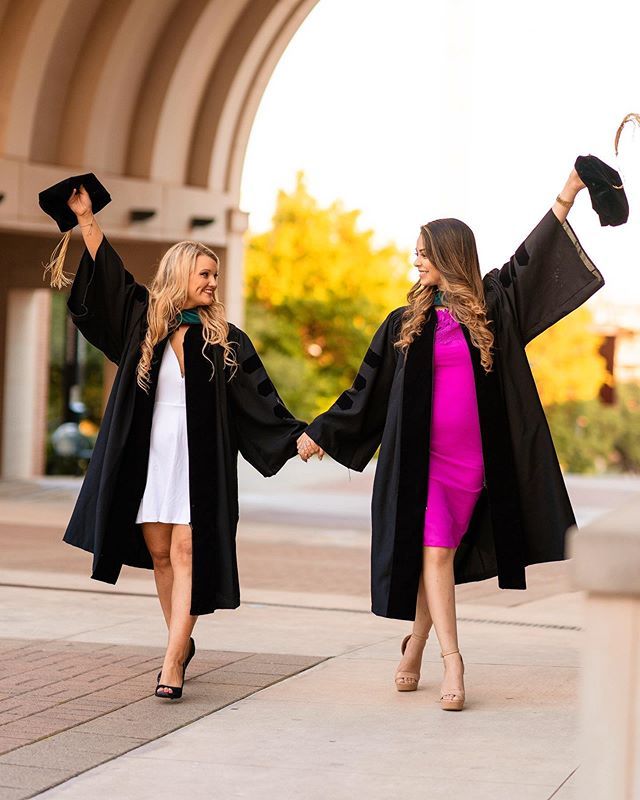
<point x="161" y="557"/>
<point x="157" y="537"/>
<point x="439" y="556"/>
<point x="181" y="552"/>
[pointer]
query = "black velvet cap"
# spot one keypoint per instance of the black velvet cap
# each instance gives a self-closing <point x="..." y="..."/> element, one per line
<point x="53" y="201"/>
<point x="608" y="198"/>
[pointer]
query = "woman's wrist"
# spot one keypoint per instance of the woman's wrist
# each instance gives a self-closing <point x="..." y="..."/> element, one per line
<point x="573" y="185"/>
<point x="569" y="191"/>
<point x="86" y="218"/>
<point x="564" y="200"/>
<point x="567" y="195"/>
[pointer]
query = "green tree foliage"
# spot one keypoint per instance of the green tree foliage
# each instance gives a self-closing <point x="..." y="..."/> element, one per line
<point x="317" y="288"/>
<point x="592" y="437"/>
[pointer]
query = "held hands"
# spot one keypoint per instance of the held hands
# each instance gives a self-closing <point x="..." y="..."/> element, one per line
<point x="308" y="448"/>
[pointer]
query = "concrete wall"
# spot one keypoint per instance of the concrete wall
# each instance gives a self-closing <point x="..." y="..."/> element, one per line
<point x="606" y="567"/>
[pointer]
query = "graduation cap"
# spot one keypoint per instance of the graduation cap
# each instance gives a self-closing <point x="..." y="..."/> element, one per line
<point x="608" y="198"/>
<point x="53" y="201"/>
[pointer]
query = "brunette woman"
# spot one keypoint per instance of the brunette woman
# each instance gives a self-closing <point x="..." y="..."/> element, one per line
<point x="467" y="485"/>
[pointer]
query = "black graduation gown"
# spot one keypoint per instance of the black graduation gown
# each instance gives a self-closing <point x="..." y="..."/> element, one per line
<point x="225" y="414"/>
<point x="523" y="513"/>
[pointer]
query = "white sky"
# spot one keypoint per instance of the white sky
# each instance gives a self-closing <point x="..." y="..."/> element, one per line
<point x="415" y="109"/>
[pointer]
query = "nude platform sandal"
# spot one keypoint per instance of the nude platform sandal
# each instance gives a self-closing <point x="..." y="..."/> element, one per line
<point x="408" y="681"/>
<point x="452" y="701"/>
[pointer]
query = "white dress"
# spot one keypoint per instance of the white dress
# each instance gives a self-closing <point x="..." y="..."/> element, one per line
<point x="166" y="494"/>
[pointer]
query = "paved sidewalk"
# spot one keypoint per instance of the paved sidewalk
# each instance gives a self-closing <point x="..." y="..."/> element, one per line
<point x="339" y="729"/>
<point x="300" y="677"/>
<point x="72" y="705"/>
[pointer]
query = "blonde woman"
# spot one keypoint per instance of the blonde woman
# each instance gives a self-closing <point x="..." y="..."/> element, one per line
<point x="190" y="392"/>
<point x="467" y="485"/>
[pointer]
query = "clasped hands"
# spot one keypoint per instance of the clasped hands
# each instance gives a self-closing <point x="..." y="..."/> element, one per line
<point x="308" y="448"/>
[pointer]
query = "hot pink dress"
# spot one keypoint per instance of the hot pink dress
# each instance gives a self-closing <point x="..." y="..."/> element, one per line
<point x="456" y="469"/>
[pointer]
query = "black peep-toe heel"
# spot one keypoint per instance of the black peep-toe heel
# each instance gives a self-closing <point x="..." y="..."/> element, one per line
<point x="192" y="652"/>
<point x="176" y="691"/>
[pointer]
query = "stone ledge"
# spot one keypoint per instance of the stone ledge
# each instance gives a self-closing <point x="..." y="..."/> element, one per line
<point x="606" y="553"/>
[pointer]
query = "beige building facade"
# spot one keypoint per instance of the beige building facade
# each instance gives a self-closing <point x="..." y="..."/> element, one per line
<point x="157" y="97"/>
<point x="621" y="323"/>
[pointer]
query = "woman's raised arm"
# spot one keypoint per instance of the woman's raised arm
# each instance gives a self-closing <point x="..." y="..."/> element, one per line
<point x="105" y="300"/>
<point x="549" y="274"/>
<point x="565" y="199"/>
<point x="80" y="204"/>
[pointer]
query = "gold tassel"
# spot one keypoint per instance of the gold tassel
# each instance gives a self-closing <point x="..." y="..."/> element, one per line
<point x="628" y="118"/>
<point x="56" y="264"/>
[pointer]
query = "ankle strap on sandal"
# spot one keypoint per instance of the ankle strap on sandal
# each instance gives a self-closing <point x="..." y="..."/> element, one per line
<point x="417" y="636"/>
<point x="450" y="653"/>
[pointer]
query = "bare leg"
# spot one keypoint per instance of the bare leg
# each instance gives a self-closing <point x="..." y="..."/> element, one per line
<point x="181" y="622"/>
<point x="412" y="658"/>
<point x="157" y="537"/>
<point x="439" y="586"/>
<point x="423" y="621"/>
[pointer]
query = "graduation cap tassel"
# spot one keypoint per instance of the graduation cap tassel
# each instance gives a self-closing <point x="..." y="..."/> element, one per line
<point x="630" y="117"/>
<point x="54" y="201"/>
<point x="56" y="264"/>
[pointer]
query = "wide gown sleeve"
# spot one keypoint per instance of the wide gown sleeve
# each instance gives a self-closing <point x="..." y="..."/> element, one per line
<point x="351" y="430"/>
<point x="104" y="300"/>
<point x="549" y="276"/>
<point x="266" y="430"/>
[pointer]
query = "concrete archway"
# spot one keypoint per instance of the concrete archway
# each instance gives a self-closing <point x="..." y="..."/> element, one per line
<point x="156" y="96"/>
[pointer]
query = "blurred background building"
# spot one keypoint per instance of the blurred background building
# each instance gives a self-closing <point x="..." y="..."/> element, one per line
<point x="158" y="98"/>
<point x="619" y="325"/>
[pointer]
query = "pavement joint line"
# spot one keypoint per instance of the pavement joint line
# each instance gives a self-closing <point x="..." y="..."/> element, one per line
<point x="523" y="624"/>
<point x="258" y="604"/>
<point x="569" y="776"/>
<point x="75" y="589"/>
<point x="70" y="637"/>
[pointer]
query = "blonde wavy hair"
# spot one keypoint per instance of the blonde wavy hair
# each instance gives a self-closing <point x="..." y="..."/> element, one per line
<point x="167" y="297"/>
<point x="451" y="247"/>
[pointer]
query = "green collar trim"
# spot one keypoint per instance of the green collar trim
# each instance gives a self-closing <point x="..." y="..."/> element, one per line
<point x="189" y="316"/>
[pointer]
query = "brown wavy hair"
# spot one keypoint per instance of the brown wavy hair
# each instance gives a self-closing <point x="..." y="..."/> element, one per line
<point x="451" y="247"/>
<point x="168" y="295"/>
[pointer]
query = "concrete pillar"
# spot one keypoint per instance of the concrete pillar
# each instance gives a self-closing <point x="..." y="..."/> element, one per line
<point x="606" y="566"/>
<point x="26" y="382"/>
<point x="237" y="224"/>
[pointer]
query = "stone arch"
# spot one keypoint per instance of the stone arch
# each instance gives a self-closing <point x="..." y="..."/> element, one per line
<point x="156" y="96"/>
